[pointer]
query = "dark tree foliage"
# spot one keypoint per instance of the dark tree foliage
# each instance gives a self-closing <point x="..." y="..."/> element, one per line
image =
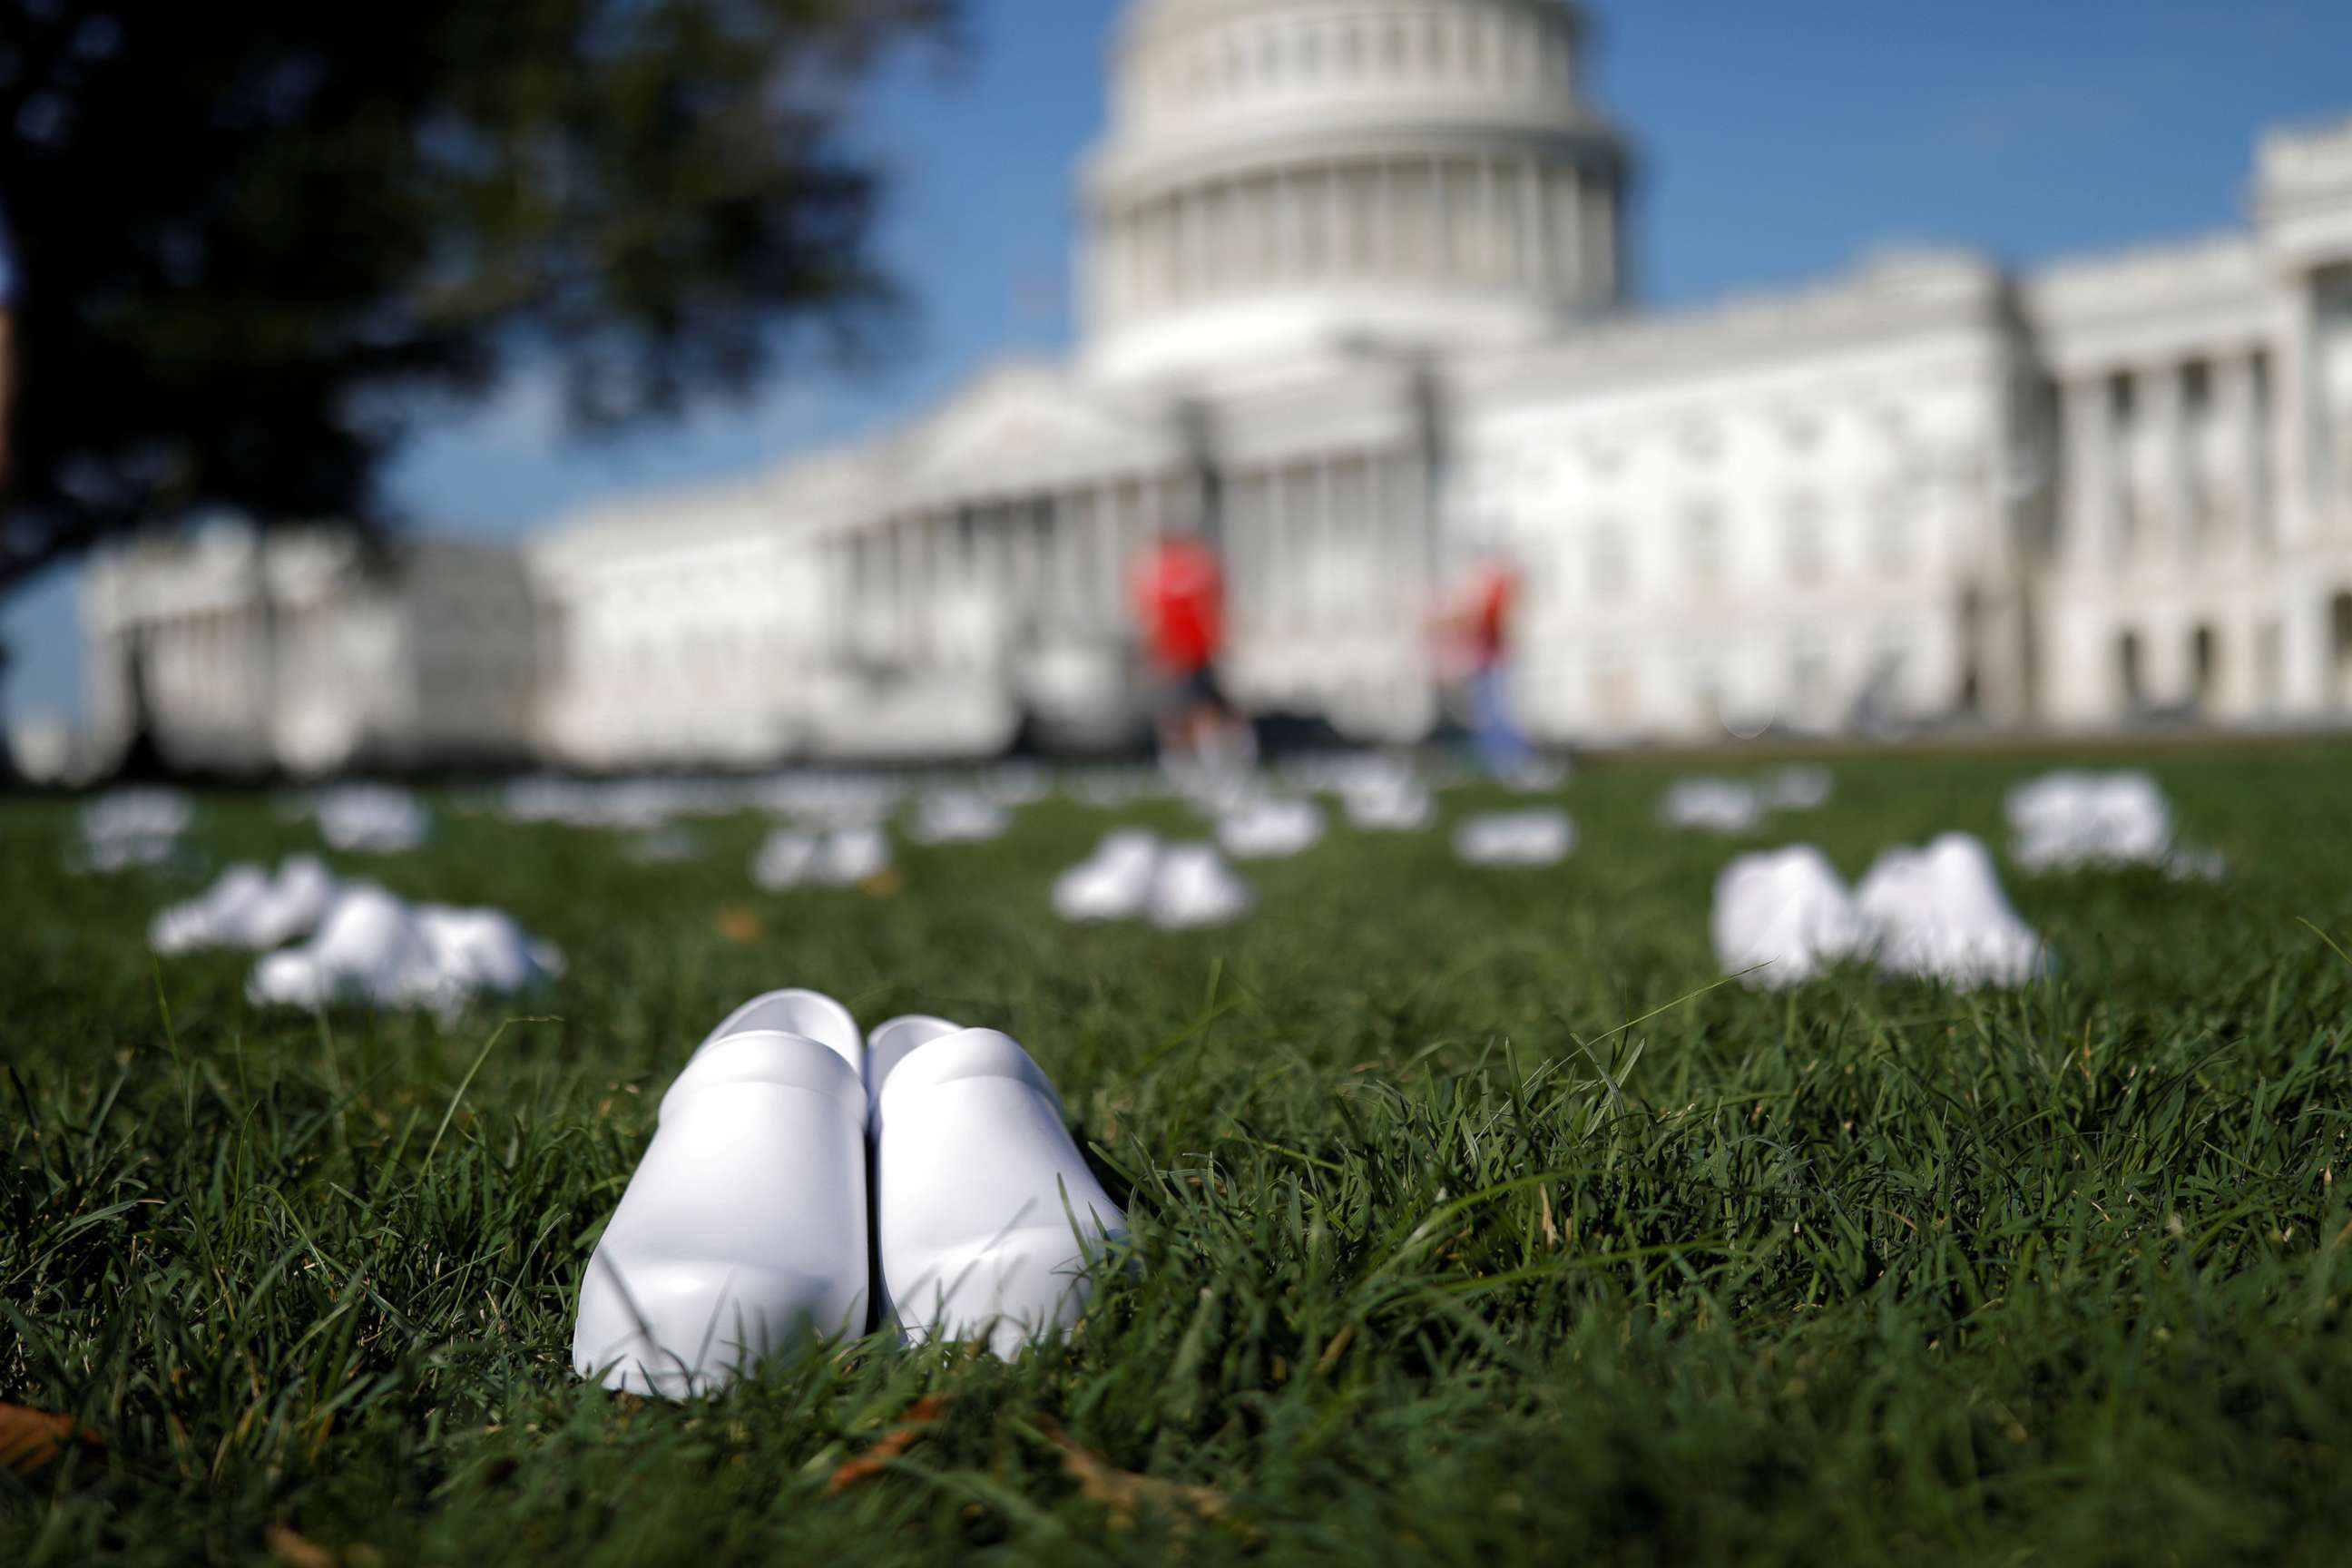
<point x="257" y="238"/>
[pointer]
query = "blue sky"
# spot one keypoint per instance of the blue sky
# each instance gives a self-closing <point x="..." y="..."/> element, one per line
<point x="1776" y="142"/>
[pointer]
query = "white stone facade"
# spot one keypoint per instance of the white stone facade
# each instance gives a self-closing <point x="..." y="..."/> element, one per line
<point x="301" y="652"/>
<point x="1363" y="261"/>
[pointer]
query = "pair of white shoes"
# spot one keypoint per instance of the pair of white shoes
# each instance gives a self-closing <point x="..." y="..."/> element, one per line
<point x="1784" y="916"/>
<point x="1176" y="887"/>
<point x="836" y="858"/>
<point x="248" y="908"/>
<point x="1538" y="836"/>
<point x="796" y="1165"/>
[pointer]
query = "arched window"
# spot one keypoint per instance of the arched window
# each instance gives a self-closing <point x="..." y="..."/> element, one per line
<point x="2127" y="673"/>
<point x="2204" y="663"/>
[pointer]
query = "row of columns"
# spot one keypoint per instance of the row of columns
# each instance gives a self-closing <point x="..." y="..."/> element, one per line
<point x="2116" y="512"/>
<point x="1518" y="222"/>
<point x="1310" y="546"/>
<point x="1476" y="47"/>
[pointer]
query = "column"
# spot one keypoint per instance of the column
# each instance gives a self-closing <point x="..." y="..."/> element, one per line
<point x="2165" y="410"/>
<point x="1601" y="225"/>
<point x="1530" y="263"/>
<point x="2294" y="395"/>
<point x="1386" y="246"/>
<point x="1285" y="228"/>
<point x="1329" y="547"/>
<point x="2228" y="481"/>
<point x="1445" y="256"/>
<point x="1111" y="555"/>
<point x="1278" y="593"/>
<point x="1568" y="211"/>
<point x="2085" y="545"/>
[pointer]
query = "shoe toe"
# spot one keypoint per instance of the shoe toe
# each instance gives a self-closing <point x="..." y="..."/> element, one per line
<point x="676" y="1327"/>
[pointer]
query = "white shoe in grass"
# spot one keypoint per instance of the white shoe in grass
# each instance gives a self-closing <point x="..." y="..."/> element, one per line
<point x="987" y="1220"/>
<point x="1112" y="883"/>
<point x="1783" y="916"/>
<point x="745" y="1228"/>
<point x="1192" y="886"/>
<point x="1939" y="913"/>
<point x="1537" y="837"/>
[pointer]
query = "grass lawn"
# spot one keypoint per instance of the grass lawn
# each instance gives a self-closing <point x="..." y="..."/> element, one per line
<point x="1471" y="1224"/>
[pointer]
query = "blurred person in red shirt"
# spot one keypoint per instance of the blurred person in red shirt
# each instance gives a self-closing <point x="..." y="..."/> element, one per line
<point x="1481" y="624"/>
<point x="1179" y="603"/>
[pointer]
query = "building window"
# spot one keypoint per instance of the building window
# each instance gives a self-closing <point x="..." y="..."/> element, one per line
<point x="1890" y="535"/>
<point x="1702" y="544"/>
<point x="1802" y="540"/>
<point x="1808" y="685"/>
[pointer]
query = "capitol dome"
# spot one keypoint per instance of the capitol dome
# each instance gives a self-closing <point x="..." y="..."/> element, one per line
<point x="1297" y="177"/>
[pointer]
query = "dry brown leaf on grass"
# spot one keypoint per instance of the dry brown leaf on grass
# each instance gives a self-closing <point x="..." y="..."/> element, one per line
<point x="300" y="1551"/>
<point x="33" y="1439"/>
<point x="739" y="925"/>
<point x="882" y="884"/>
<point x="888" y="1446"/>
<point x="1126" y="1493"/>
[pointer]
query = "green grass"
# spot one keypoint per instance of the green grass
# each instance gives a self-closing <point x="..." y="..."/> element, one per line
<point x="1471" y="1223"/>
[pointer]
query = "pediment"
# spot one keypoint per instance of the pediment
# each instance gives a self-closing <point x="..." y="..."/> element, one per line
<point x="1016" y="425"/>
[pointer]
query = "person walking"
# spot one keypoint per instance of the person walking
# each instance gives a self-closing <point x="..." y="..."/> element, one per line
<point x="1483" y="624"/>
<point x="1179" y="601"/>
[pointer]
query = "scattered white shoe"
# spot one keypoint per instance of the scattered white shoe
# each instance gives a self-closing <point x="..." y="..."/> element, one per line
<point x="987" y="1220"/>
<point x="1191" y="886"/>
<point x="1537" y="836"/>
<point x="1386" y="803"/>
<point x="746" y="1225"/>
<point x="1783" y="916"/>
<point x="959" y="817"/>
<point x="792" y="1164"/>
<point x="1270" y="828"/>
<point x="134" y="826"/>
<point x="1713" y="806"/>
<point x="836" y="858"/>
<point x="1798" y="789"/>
<point x="1939" y="913"/>
<point x="374" y="948"/>
<point x="1112" y="883"/>
<point x="2067" y="820"/>
<point x="371" y="819"/>
<point x="247" y="907"/>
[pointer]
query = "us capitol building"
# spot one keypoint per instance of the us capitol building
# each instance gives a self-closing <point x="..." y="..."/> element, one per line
<point x="1354" y="288"/>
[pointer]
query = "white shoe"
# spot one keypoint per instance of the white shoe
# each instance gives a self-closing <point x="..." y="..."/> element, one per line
<point x="1717" y="805"/>
<point x="215" y="918"/>
<point x="1112" y="883"/>
<point x="1783" y="916"/>
<point x="1270" y="828"/>
<point x="368" y="949"/>
<point x="1537" y="837"/>
<point x="299" y="899"/>
<point x="785" y="859"/>
<point x="744" y="1228"/>
<point x="1395" y="803"/>
<point x="1798" y="789"/>
<point x="1939" y="913"/>
<point x="986" y="1216"/>
<point x="959" y="817"/>
<point x="2068" y="819"/>
<point x="851" y="855"/>
<point x="1192" y="886"/>
<point x="374" y="948"/>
